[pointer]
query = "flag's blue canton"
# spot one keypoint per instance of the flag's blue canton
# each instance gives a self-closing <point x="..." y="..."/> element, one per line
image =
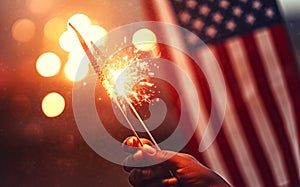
<point x="214" y="20"/>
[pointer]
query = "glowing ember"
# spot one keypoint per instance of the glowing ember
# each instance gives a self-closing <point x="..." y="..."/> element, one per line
<point x="126" y="75"/>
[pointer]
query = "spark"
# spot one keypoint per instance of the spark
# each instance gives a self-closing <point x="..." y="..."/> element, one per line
<point x="126" y="75"/>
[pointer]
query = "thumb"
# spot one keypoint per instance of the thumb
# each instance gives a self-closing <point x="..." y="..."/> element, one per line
<point x="155" y="156"/>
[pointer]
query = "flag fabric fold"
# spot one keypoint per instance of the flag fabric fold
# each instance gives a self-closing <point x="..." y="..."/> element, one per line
<point x="258" y="144"/>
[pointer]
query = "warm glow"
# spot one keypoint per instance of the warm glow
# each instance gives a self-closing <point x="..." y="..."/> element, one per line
<point x="76" y="69"/>
<point x="48" y="64"/>
<point x="53" y="104"/>
<point x="120" y="79"/>
<point x="23" y="30"/>
<point x="79" y="21"/>
<point x="39" y="6"/>
<point x="124" y="75"/>
<point x="95" y="33"/>
<point x="68" y="41"/>
<point x="113" y="68"/>
<point x="76" y="55"/>
<point x="54" y="28"/>
<point x="144" y="39"/>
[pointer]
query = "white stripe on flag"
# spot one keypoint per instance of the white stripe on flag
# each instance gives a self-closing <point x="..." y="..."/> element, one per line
<point x="165" y="11"/>
<point x="257" y="111"/>
<point x="238" y="141"/>
<point x="279" y="89"/>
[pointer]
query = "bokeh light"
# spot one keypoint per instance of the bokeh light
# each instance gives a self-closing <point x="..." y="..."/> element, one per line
<point x="39" y="6"/>
<point x="23" y="30"/>
<point x="144" y="39"/>
<point x="76" y="69"/>
<point x="79" y="21"/>
<point x="48" y="64"/>
<point x="68" y="41"/>
<point x="53" y="104"/>
<point x="54" y="28"/>
<point x="95" y="33"/>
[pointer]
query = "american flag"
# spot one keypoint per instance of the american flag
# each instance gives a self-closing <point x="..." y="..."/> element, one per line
<point x="258" y="144"/>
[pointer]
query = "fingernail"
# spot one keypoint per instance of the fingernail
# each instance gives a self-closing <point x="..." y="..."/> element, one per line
<point x="130" y="142"/>
<point x="149" y="150"/>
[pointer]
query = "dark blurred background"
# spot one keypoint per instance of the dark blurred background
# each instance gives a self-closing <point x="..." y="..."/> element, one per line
<point x="42" y="147"/>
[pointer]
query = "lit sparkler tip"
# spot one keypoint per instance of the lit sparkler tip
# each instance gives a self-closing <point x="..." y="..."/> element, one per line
<point x="82" y="42"/>
<point x="95" y="47"/>
<point x="87" y="51"/>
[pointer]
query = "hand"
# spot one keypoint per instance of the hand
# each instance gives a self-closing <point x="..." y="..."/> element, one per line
<point x="186" y="170"/>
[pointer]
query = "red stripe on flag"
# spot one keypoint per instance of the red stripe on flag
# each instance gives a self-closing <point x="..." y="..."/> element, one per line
<point x="150" y="13"/>
<point x="192" y="148"/>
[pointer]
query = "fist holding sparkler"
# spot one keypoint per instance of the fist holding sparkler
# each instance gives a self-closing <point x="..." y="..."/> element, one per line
<point x="186" y="170"/>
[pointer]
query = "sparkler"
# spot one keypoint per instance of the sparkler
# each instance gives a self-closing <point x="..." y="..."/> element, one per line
<point x="111" y="72"/>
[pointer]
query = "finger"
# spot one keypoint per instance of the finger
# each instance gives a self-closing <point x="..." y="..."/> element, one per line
<point x="148" y="154"/>
<point x="140" y="176"/>
<point x="128" y="163"/>
<point x="137" y="176"/>
<point x="173" y="181"/>
<point x="155" y="183"/>
<point x="135" y="160"/>
<point x="143" y="177"/>
<point x="169" y="182"/>
<point x="131" y="143"/>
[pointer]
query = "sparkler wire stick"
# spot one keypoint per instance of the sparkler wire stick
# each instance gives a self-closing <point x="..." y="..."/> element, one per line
<point x="142" y="123"/>
<point x="131" y="126"/>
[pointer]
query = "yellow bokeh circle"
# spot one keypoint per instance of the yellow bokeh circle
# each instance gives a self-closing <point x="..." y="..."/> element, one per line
<point x="48" y="64"/>
<point x="53" y="104"/>
<point x="79" y="21"/>
<point x="75" y="69"/>
<point x="54" y="28"/>
<point x="144" y="39"/>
